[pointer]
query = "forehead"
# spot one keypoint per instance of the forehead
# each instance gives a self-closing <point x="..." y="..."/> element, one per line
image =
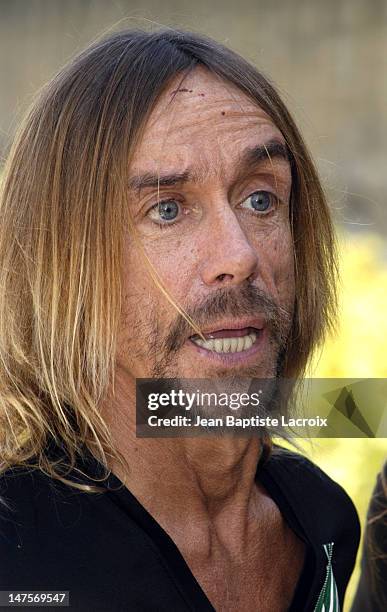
<point x="201" y="117"/>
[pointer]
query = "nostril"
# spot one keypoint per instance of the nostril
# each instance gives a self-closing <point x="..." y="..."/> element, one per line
<point x="221" y="277"/>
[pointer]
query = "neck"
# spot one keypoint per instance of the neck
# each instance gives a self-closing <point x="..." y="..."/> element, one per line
<point x="204" y="481"/>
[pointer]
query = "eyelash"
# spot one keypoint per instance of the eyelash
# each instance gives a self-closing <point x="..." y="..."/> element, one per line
<point x="274" y="201"/>
<point x="167" y="224"/>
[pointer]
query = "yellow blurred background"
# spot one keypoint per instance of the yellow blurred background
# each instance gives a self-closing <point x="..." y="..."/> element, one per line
<point x="358" y="351"/>
<point x="329" y="61"/>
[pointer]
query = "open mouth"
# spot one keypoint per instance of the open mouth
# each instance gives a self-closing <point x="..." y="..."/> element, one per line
<point x="228" y="340"/>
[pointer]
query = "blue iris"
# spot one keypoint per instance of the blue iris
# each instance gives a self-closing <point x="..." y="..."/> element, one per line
<point x="168" y="210"/>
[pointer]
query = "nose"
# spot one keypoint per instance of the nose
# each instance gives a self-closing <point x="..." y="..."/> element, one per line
<point x="230" y="258"/>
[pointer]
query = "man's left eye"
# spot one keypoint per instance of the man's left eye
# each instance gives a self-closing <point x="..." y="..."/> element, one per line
<point x="260" y="201"/>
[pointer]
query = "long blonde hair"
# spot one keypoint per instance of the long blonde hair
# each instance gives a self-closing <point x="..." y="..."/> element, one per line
<point x="63" y="217"/>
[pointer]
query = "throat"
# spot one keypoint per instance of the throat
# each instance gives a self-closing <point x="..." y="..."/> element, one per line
<point x="237" y="574"/>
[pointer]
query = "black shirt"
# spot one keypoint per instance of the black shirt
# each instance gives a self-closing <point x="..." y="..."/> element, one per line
<point x="112" y="556"/>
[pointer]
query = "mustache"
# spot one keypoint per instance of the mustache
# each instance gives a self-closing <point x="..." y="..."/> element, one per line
<point x="247" y="300"/>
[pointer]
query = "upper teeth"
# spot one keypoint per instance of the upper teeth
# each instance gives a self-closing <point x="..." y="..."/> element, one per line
<point x="227" y="345"/>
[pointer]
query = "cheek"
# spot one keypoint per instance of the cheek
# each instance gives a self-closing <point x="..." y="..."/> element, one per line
<point x="138" y="323"/>
<point x="174" y="261"/>
<point x="136" y="281"/>
<point x="284" y="267"/>
<point x="145" y="308"/>
<point x="138" y="298"/>
<point x="276" y="264"/>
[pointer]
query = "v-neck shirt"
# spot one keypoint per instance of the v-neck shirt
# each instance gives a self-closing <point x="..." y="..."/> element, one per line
<point x="110" y="553"/>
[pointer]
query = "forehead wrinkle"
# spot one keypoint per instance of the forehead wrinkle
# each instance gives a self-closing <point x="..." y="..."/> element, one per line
<point x="172" y="127"/>
<point x="159" y="160"/>
<point x="201" y="170"/>
<point x="180" y="124"/>
<point x="226" y="95"/>
<point x="185" y="133"/>
<point x="183" y="138"/>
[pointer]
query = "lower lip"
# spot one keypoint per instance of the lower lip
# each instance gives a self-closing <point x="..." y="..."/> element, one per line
<point x="232" y="359"/>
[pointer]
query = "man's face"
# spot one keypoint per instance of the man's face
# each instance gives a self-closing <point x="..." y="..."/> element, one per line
<point x="209" y="191"/>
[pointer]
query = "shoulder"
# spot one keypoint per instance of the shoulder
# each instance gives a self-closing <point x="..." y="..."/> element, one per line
<point x="27" y="496"/>
<point x="54" y="536"/>
<point x="18" y="489"/>
<point x="33" y="504"/>
<point x="22" y="492"/>
<point x="322" y="505"/>
<point x="319" y="510"/>
<point x="27" y="486"/>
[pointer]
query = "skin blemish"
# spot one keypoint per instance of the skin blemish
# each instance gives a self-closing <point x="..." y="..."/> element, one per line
<point x="201" y="94"/>
<point x="223" y="112"/>
<point x="183" y="89"/>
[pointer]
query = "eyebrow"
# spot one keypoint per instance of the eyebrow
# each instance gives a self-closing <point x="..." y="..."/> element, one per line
<point x="271" y="150"/>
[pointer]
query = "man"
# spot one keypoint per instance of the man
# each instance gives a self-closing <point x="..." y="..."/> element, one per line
<point x="161" y="217"/>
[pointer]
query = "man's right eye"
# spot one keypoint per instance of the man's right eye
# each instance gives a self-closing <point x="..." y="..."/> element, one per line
<point x="165" y="212"/>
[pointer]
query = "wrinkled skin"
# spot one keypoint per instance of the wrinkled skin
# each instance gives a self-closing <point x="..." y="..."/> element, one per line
<point x="221" y="259"/>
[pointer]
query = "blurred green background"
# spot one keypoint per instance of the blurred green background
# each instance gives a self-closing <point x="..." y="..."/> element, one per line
<point x="329" y="61"/>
